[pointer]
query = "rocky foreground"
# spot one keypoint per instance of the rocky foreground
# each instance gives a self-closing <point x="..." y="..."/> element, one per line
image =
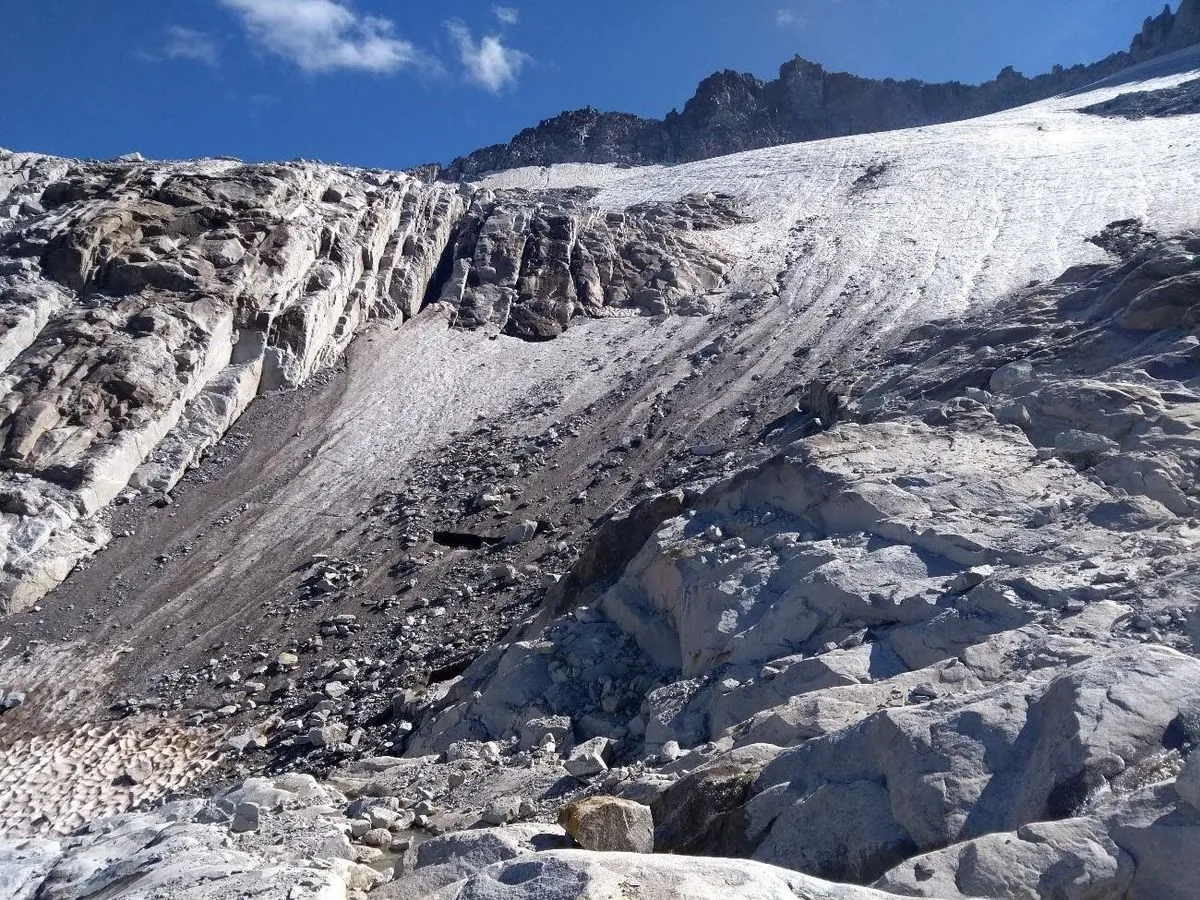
<point x="943" y="643"/>
<point x="815" y="523"/>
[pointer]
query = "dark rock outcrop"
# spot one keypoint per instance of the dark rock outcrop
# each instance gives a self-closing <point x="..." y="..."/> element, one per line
<point x="1182" y="100"/>
<point x="527" y="264"/>
<point x="735" y="111"/>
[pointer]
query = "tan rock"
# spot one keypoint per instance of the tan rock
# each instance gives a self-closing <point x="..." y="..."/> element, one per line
<point x="609" y="824"/>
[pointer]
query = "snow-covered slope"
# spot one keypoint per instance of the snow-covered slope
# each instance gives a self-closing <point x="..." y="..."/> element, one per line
<point x="886" y="230"/>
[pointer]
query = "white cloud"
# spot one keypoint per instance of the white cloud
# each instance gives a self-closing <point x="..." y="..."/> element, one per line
<point x="789" y="18"/>
<point x="190" y="44"/>
<point x="508" y="15"/>
<point x="488" y="63"/>
<point x="324" y="35"/>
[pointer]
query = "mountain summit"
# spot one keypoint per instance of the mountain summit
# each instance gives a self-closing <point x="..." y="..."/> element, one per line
<point x="735" y="111"/>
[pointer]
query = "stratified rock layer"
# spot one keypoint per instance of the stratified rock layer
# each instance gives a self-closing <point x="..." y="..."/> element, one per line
<point x="526" y="264"/>
<point x="141" y="297"/>
<point x="146" y="305"/>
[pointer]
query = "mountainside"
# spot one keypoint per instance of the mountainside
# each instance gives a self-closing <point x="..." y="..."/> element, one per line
<point x="818" y="521"/>
<point x="734" y="111"/>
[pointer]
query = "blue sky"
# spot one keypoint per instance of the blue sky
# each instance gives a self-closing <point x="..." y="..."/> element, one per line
<point x="393" y="83"/>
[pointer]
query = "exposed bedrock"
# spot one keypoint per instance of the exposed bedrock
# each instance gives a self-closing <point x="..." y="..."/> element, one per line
<point x="945" y="641"/>
<point x="527" y="263"/>
<point x="145" y="305"/>
<point x="142" y="298"/>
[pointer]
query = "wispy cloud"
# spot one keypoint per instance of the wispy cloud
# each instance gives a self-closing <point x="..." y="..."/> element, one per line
<point x="324" y="35"/>
<point x="183" y="43"/>
<point x="189" y="44"/>
<point x="487" y="62"/>
<point x="508" y="15"/>
<point x="789" y="18"/>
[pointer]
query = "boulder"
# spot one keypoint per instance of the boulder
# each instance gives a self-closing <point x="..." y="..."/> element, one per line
<point x="521" y="532"/>
<point x="535" y="730"/>
<point x="608" y="824"/>
<point x="579" y="875"/>
<point x="589" y="758"/>
<point x="991" y="761"/>
<point x="1187" y="783"/>
<point x="245" y="818"/>
<point x="700" y="813"/>
<point x="1073" y="858"/>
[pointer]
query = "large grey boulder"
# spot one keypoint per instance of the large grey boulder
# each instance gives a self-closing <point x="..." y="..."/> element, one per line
<point x="578" y="875"/>
<point x="1073" y="858"/>
<point x="921" y="778"/>
<point x="447" y="859"/>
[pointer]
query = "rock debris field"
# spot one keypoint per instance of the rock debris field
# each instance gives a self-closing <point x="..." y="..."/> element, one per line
<point x="816" y="522"/>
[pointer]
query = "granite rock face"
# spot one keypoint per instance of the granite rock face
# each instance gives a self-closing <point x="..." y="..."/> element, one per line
<point x="961" y="612"/>
<point x="526" y="264"/>
<point x="146" y="304"/>
<point x="1168" y="31"/>
<point x="734" y="111"/>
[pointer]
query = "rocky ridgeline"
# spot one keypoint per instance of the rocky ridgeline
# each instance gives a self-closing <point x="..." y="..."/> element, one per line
<point x="145" y="305"/>
<point x="735" y="111"/>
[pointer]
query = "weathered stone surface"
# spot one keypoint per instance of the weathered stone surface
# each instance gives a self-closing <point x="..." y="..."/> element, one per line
<point x="699" y="814"/>
<point x="149" y="856"/>
<point x="1187" y="785"/>
<point x="609" y="824"/>
<point x="528" y="264"/>
<point x="150" y="303"/>
<point x="589" y="758"/>
<point x="969" y="632"/>
<point x="1032" y="770"/>
<point x="448" y="859"/>
<point x="1077" y="857"/>
<point x="576" y="875"/>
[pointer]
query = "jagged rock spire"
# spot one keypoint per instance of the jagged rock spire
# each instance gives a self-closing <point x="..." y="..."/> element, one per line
<point x="733" y="111"/>
<point x="1168" y="31"/>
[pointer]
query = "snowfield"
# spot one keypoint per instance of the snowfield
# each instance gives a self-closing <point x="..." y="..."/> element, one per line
<point x="957" y="216"/>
